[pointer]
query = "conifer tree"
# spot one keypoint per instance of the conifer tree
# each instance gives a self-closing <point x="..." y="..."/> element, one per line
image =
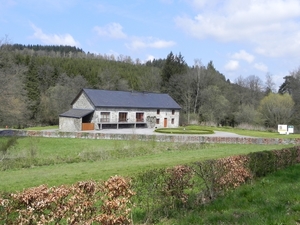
<point x="32" y="88"/>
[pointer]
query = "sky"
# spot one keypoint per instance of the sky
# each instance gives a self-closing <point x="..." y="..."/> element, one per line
<point x="241" y="38"/>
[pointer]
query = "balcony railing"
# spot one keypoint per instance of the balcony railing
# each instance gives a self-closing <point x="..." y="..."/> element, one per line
<point x="139" y="120"/>
<point x="104" y="120"/>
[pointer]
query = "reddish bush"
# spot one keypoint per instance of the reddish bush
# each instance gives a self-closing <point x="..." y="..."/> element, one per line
<point x="177" y="180"/>
<point x="82" y="203"/>
<point x="231" y="172"/>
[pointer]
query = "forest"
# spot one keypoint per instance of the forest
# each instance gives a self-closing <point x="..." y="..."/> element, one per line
<point x="37" y="83"/>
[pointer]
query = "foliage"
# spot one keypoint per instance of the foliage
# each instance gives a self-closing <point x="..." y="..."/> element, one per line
<point x="221" y="175"/>
<point x="160" y="193"/>
<point x="273" y="199"/>
<point x="38" y="74"/>
<point x="185" y="130"/>
<point x="84" y="202"/>
<point x="177" y="181"/>
<point x="265" y="162"/>
<point x="214" y="105"/>
<point x="173" y="65"/>
<point x="4" y="147"/>
<point x="203" y="182"/>
<point x="276" y="109"/>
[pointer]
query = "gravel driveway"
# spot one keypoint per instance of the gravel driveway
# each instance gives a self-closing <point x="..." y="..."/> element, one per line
<point x="151" y="131"/>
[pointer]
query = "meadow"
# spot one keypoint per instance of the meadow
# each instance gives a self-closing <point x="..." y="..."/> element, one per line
<point x="33" y="161"/>
<point x="53" y="161"/>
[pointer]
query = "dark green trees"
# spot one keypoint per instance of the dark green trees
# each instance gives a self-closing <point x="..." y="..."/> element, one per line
<point x="174" y="64"/>
<point x="32" y="88"/>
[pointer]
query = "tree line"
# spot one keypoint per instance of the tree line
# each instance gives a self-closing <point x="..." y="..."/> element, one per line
<point x="37" y="83"/>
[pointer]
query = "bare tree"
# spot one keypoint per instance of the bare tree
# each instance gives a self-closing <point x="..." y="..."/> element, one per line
<point x="269" y="84"/>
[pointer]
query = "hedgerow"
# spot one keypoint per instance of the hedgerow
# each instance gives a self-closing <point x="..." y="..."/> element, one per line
<point x="156" y="193"/>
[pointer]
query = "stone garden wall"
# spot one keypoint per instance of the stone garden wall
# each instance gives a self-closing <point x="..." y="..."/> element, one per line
<point x="144" y="137"/>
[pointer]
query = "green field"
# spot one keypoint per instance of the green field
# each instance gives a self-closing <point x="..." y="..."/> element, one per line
<point x="54" y="161"/>
<point x="273" y="199"/>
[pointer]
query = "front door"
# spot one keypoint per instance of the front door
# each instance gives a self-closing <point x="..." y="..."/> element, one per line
<point x="165" y="122"/>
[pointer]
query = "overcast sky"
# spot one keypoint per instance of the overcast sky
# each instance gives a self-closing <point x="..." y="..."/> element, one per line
<point x="241" y="37"/>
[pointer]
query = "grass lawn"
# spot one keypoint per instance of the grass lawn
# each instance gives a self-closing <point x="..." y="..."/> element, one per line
<point x="274" y="199"/>
<point x="252" y="133"/>
<point x="202" y="130"/>
<point x="55" y="161"/>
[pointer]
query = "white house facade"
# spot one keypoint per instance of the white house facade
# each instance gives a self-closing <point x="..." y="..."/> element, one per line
<point x="101" y="109"/>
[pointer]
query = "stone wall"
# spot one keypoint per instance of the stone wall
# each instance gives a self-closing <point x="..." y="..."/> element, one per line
<point x="68" y="124"/>
<point x="159" y="138"/>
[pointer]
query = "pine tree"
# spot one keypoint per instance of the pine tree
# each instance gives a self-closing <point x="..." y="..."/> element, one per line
<point x="32" y="88"/>
<point x="173" y="65"/>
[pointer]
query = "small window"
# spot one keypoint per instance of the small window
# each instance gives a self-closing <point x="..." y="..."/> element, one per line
<point x="172" y="121"/>
<point x="104" y="117"/>
<point x="158" y="112"/>
<point x="157" y="121"/>
<point x="173" y="112"/>
<point x="139" y="117"/>
<point x="123" y="117"/>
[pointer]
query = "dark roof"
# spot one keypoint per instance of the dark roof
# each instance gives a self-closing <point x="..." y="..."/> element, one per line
<point x="76" y="113"/>
<point x="130" y="99"/>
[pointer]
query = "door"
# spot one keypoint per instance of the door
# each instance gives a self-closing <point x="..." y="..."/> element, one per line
<point x="165" y="122"/>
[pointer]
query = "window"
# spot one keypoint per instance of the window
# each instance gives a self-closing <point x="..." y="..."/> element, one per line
<point x="157" y="121"/>
<point x="158" y="112"/>
<point x="173" y="112"/>
<point x="139" y="117"/>
<point x="172" y="121"/>
<point x="122" y="117"/>
<point x="104" y="117"/>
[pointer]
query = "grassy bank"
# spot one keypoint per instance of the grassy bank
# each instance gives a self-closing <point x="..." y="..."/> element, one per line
<point x="273" y="199"/>
<point x="54" y="161"/>
<point x="251" y="133"/>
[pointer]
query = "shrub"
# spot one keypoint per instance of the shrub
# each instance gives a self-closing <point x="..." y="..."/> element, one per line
<point x="83" y="203"/>
<point x="221" y="175"/>
<point x="177" y="180"/>
<point x="262" y="163"/>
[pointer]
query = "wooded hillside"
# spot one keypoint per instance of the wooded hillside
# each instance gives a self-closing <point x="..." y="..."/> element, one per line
<point x="39" y="82"/>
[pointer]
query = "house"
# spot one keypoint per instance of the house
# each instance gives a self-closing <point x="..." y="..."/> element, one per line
<point x="100" y="109"/>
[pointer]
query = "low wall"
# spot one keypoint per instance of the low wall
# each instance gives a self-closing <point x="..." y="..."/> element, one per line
<point x="144" y="137"/>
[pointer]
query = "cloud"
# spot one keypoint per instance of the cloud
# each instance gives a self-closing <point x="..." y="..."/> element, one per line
<point x="243" y="55"/>
<point x="262" y="67"/>
<point x="53" y="39"/>
<point x="150" y="58"/>
<point x="271" y="25"/>
<point x="149" y="42"/>
<point x="232" y="65"/>
<point x="112" y="30"/>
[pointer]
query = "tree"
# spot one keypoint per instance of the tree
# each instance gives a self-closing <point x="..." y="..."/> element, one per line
<point x="199" y="71"/>
<point x="214" y="106"/>
<point x="57" y="99"/>
<point x="173" y="65"/>
<point x="247" y="114"/>
<point x="269" y="84"/>
<point x="276" y="109"/>
<point x="250" y="90"/>
<point x="12" y="94"/>
<point x="32" y="88"/>
<point x="183" y="91"/>
<point x="291" y="86"/>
